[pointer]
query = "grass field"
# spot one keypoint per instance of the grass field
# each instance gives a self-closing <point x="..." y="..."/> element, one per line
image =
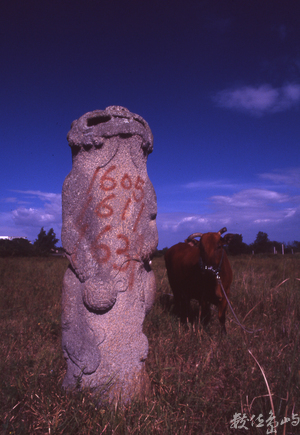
<point x="201" y="382"/>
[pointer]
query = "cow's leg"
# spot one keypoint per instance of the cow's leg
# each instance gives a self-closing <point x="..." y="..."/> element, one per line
<point x="205" y="313"/>
<point x="188" y="311"/>
<point x="182" y="307"/>
<point x="179" y="307"/>
<point x="221" y="314"/>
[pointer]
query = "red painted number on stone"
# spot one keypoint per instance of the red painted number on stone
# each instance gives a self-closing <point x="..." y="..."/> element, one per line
<point x="126" y="182"/>
<point x="139" y="187"/>
<point x="125" y="209"/>
<point x="98" y="248"/>
<point x="138" y="217"/>
<point x="106" y="182"/>
<point x="123" y="251"/>
<point x="104" y="210"/>
<point x="101" y="252"/>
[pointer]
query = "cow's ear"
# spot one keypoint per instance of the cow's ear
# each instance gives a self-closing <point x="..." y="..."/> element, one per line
<point x="227" y="239"/>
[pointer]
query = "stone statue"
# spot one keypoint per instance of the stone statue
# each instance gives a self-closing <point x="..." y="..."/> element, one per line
<point x="109" y="234"/>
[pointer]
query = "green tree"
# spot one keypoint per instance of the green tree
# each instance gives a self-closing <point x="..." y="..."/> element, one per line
<point x="18" y="247"/>
<point x="237" y="246"/>
<point x="262" y="243"/>
<point x="45" y="242"/>
<point x="295" y="246"/>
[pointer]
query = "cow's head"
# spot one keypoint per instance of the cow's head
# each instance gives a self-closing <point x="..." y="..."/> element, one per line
<point x="211" y="245"/>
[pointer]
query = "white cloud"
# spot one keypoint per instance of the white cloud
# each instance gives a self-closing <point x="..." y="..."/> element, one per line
<point x="250" y="198"/>
<point x="44" y="210"/>
<point x="242" y="211"/>
<point x="259" y="100"/>
<point x="255" y="206"/>
<point x="210" y="184"/>
<point x="291" y="93"/>
<point x="13" y="200"/>
<point x="32" y="216"/>
<point x="178" y="221"/>
<point x="176" y="227"/>
<point x="49" y="212"/>
<point x="289" y="177"/>
<point x="10" y="199"/>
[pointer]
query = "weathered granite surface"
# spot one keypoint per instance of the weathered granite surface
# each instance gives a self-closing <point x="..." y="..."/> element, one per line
<point x="109" y="234"/>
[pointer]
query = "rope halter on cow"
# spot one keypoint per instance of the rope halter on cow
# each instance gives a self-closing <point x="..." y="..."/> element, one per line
<point x="203" y="266"/>
<point x="216" y="270"/>
<point x="250" y="331"/>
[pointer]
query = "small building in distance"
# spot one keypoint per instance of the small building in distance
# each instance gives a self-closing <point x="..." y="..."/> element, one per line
<point x="12" y="237"/>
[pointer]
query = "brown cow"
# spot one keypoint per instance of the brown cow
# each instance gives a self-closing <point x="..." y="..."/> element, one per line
<point x="197" y="271"/>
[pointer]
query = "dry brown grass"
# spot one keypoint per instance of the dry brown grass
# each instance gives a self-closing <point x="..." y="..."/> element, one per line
<point x="199" y="379"/>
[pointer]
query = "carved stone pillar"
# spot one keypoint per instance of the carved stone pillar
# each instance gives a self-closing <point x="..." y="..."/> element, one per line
<point x="109" y="234"/>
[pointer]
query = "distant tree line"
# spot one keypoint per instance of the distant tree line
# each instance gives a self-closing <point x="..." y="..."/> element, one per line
<point x="261" y="245"/>
<point x="44" y="245"/>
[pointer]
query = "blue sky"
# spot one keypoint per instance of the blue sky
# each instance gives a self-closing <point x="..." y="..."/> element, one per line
<point x="217" y="81"/>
